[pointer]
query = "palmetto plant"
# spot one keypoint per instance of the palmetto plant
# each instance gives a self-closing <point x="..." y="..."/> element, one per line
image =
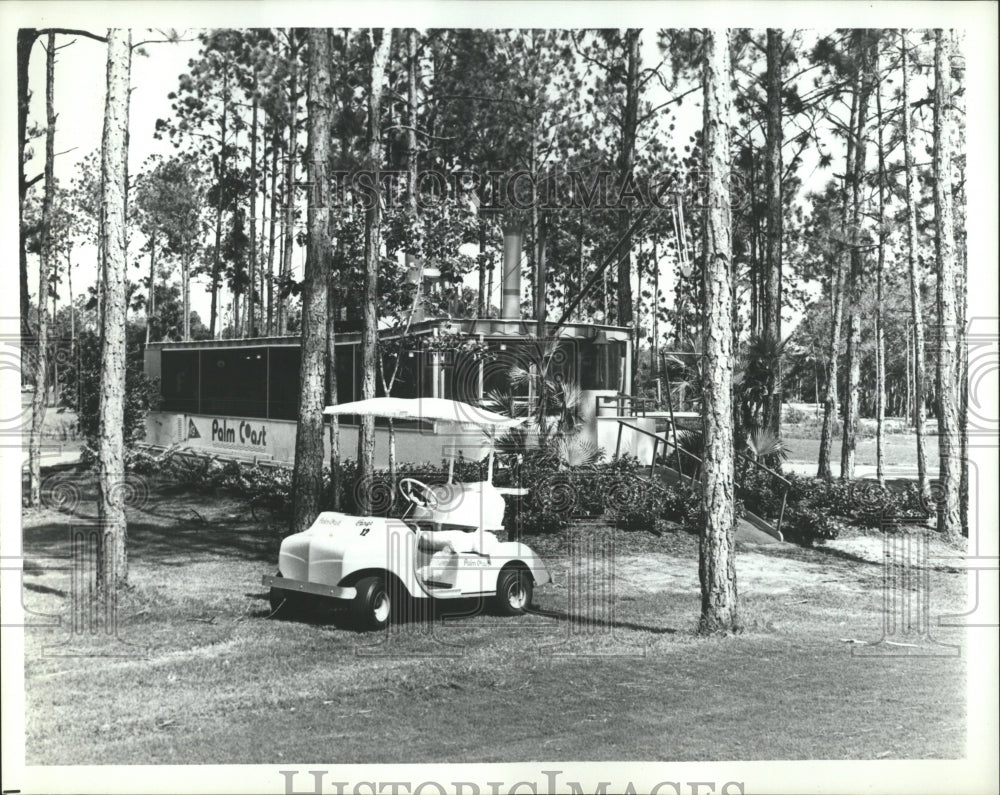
<point x="757" y="361"/>
<point x="554" y="408"/>
<point x="765" y="444"/>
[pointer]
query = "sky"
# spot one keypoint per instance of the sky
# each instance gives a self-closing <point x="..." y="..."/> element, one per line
<point x="79" y="91"/>
<point x="79" y="97"/>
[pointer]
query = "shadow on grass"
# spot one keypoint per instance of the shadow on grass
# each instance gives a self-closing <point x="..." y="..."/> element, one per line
<point x="814" y="554"/>
<point x="164" y="528"/>
<point x="587" y="621"/>
<point x="31" y="586"/>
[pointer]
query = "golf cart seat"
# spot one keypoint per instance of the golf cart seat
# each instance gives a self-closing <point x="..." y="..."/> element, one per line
<point x="475" y="505"/>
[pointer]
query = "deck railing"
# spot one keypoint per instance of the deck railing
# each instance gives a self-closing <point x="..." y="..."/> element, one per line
<point x="678" y="451"/>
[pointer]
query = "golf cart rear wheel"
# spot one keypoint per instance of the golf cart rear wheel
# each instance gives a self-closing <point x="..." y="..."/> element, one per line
<point x="514" y="590"/>
<point x="373" y="605"/>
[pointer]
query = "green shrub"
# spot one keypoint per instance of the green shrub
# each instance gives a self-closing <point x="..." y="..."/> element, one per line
<point x="81" y="379"/>
<point x="805" y="524"/>
<point x="760" y="492"/>
<point x="793" y="416"/>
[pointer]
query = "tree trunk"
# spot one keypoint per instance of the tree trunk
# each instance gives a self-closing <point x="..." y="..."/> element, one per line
<point x="112" y="567"/>
<point x="655" y="346"/>
<point x="541" y="272"/>
<point x="151" y="293"/>
<point x="373" y="220"/>
<point x="482" y="307"/>
<point x="249" y="309"/>
<point x="25" y="41"/>
<point x="271" y="237"/>
<point x="221" y="174"/>
<point x="772" y="305"/>
<point x="962" y="368"/>
<point x="824" y="469"/>
<point x="625" y="162"/>
<point x="916" y="279"/>
<point x="949" y="444"/>
<point x="38" y="398"/>
<point x="717" y="569"/>
<point x="186" y="289"/>
<point x="289" y="190"/>
<point x="307" y="476"/>
<point x="755" y="233"/>
<point x="867" y="43"/>
<point x="331" y="375"/>
<point x="879" y="294"/>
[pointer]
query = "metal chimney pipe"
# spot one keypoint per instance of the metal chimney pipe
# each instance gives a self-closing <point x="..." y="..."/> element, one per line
<point x="510" y="308"/>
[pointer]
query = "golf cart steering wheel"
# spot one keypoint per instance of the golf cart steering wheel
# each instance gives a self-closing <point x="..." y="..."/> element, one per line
<point x="418" y="493"/>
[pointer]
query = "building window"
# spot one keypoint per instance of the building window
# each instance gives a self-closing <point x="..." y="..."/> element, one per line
<point x="234" y="382"/>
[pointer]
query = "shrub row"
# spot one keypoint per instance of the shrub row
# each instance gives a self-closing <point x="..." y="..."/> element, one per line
<point x="817" y="509"/>
<point x="610" y="491"/>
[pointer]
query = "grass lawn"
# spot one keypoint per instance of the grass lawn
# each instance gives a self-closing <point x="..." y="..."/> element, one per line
<point x="210" y="678"/>
<point x="900" y="448"/>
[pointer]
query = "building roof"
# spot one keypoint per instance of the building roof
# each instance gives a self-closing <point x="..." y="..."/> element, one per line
<point x="495" y="328"/>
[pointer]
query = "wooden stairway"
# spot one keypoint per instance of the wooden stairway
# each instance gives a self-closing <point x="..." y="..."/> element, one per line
<point x="750" y="528"/>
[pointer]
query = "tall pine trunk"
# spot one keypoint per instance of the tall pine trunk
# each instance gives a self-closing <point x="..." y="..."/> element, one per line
<point x="331" y="375"/>
<point x="381" y="42"/>
<point x="916" y="279"/>
<point x="151" y="293"/>
<point x="716" y="568"/>
<point x="307" y="476"/>
<point x="249" y="309"/>
<point x="824" y="468"/>
<point x="38" y="398"/>
<point x="112" y="565"/>
<point x="773" y="297"/>
<point x="186" y="289"/>
<point x="626" y="160"/>
<point x="949" y="444"/>
<point x="271" y="232"/>
<point x="289" y="187"/>
<point x="852" y="403"/>
<point x="221" y="175"/>
<point x="879" y="295"/>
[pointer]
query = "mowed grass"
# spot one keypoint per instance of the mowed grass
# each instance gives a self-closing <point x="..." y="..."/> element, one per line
<point x="204" y="675"/>
<point x="900" y="448"/>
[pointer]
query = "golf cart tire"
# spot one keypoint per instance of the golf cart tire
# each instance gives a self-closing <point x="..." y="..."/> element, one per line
<point x="514" y="591"/>
<point x="373" y="605"/>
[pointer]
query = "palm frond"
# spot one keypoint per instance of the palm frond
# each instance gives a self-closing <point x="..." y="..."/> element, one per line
<point x="765" y="443"/>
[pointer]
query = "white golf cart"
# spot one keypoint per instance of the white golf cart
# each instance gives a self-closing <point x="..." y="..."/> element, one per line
<point x="444" y="547"/>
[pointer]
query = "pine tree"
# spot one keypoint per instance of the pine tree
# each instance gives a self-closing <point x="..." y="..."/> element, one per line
<point x="717" y="565"/>
<point x="112" y="568"/>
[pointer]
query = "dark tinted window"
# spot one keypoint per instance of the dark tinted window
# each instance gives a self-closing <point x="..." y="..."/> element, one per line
<point x="179" y="381"/>
<point x="234" y="382"/>
<point x="283" y="383"/>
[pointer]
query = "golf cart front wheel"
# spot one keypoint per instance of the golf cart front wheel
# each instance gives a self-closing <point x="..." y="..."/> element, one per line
<point x="373" y="605"/>
<point x="514" y="590"/>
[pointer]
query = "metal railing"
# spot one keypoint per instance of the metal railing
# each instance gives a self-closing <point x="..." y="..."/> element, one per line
<point x="629" y="405"/>
<point x="776" y="476"/>
<point x="678" y="450"/>
<point x="657" y="440"/>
